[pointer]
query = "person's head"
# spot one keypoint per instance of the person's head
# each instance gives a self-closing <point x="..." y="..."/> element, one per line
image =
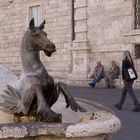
<point x="113" y="63"/>
<point x="127" y="55"/>
<point x="124" y="56"/>
<point x="98" y="63"/>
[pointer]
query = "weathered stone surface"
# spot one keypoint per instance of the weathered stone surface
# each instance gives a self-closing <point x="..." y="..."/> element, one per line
<point x="6" y="77"/>
<point x="6" y="116"/>
<point x="14" y="20"/>
<point x="93" y="125"/>
<point x="23" y="130"/>
<point x="99" y="122"/>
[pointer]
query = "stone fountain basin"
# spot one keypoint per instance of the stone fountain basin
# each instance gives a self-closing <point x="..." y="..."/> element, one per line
<point x="96" y="124"/>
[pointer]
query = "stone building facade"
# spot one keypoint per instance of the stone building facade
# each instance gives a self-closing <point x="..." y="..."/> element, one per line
<point x="84" y="32"/>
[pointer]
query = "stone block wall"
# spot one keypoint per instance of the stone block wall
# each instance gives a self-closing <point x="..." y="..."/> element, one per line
<point x="103" y="30"/>
<point x="14" y="19"/>
<point x="107" y="23"/>
<point x="111" y="31"/>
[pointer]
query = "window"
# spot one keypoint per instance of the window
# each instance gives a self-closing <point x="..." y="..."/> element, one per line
<point x="35" y="12"/>
<point x="137" y="50"/>
<point x="137" y="14"/>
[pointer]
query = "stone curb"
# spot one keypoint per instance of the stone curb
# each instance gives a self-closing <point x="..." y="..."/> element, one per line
<point x="102" y="123"/>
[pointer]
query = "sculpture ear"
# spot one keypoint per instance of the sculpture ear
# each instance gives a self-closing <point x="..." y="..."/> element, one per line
<point x="31" y="24"/>
<point x="42" y="25"/>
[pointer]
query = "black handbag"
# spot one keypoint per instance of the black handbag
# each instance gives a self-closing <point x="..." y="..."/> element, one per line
<point x="130" y="74"/>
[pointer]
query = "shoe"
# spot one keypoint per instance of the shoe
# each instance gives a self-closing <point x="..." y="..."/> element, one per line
<point x="118" y="106"/>
<point x="91" y="85"/>
<point x="136" y="109"/>
<point x="108" y="86"/>
<point x="112" y="86"/>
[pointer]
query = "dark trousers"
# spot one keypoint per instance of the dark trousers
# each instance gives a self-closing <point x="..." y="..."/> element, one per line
<point x="109" y="80"/>
<point x="128" y="88"/>
<point x="96" y="79"/>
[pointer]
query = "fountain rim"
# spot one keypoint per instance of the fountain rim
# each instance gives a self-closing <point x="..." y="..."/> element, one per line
<point x="88" y="128"/>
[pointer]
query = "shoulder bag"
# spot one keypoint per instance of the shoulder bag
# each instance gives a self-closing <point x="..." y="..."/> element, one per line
<point x="130" y="74"/>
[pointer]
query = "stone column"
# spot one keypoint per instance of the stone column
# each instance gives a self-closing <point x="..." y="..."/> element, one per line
<point x="80" y="49"/>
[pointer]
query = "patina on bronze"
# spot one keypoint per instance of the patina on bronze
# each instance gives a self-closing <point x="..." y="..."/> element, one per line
<point x="35" y="92"/>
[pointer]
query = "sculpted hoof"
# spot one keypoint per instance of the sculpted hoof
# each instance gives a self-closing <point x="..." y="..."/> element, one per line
<point x="49" y="115"/>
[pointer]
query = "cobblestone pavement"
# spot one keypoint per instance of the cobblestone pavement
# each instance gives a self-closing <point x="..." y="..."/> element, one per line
<point x="130" y="120"/>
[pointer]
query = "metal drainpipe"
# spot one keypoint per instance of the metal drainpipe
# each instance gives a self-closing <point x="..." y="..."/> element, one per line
<point x="72" y="21"/>
<point x="72" y="32"/>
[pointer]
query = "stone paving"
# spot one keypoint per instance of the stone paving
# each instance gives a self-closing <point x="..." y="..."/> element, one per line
<point x="130" y="120"/>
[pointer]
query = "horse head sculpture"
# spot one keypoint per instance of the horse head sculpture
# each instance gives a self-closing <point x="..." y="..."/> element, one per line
<point x="38" y="40"/>
<point x="34" y="41"/>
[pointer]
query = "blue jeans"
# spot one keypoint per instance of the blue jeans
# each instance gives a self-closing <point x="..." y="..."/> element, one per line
<point x="96" y="79"/>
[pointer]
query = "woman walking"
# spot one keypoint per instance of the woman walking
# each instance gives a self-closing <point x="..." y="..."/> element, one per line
<point x="128" y="63"/>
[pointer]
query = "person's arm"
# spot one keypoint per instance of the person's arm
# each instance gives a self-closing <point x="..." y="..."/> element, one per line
<point x="95" y="71"/>
<point x="110" y="71"/>
<point x="123" y="64"/>
<point x="123" y="67"/>
<point x="100" y="71"/>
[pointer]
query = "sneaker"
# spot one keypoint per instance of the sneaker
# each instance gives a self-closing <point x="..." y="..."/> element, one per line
<point x="108" y="86"/>
<point x="113" y="87"/>
<point x="118" y="106"/>
<point x="136" y="109"/>
<point x="91" y="85"/>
